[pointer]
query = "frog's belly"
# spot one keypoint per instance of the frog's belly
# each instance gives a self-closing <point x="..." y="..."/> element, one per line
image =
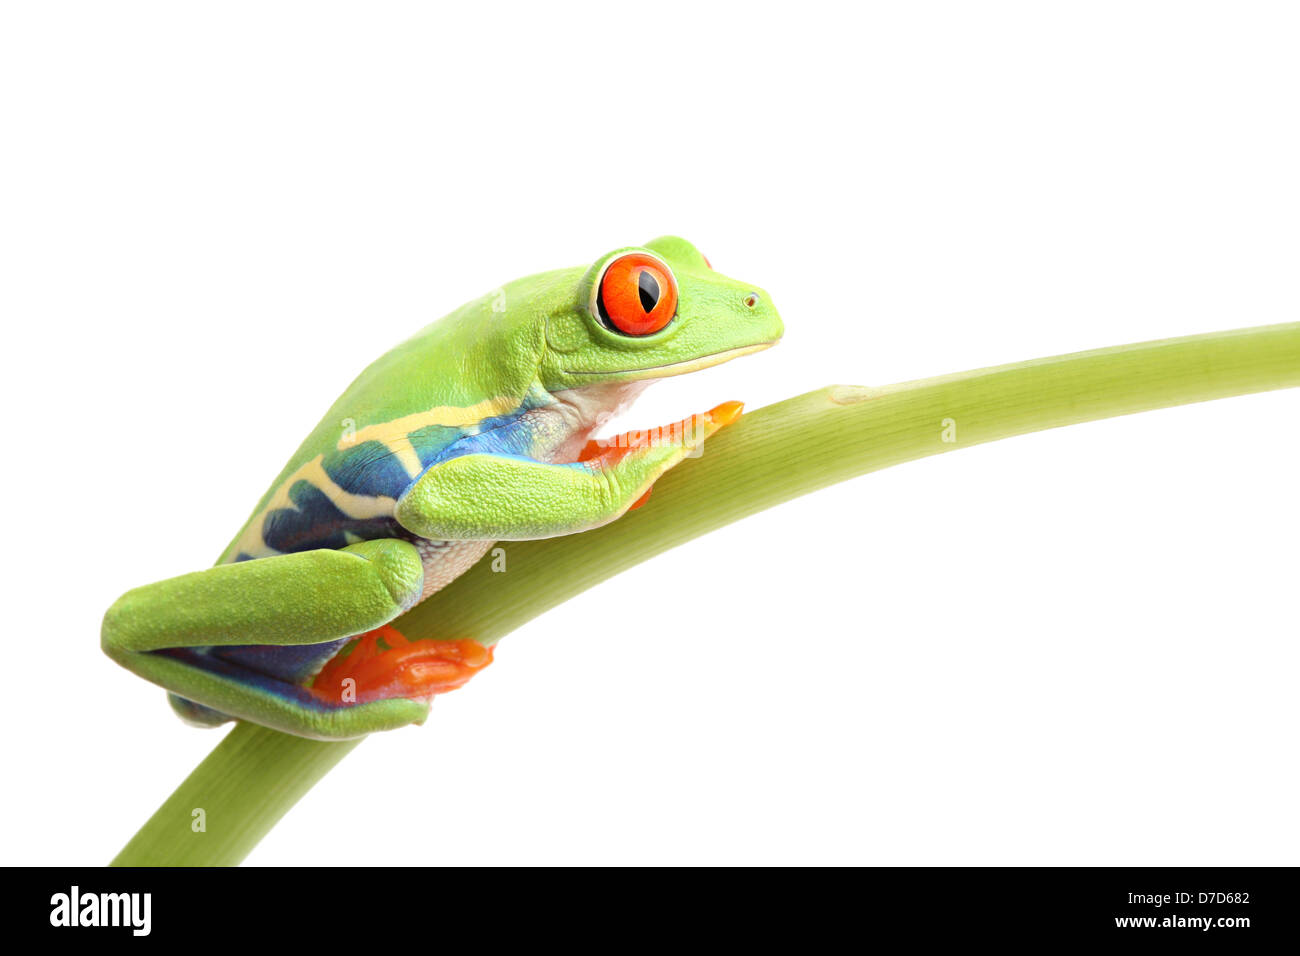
<point x="444" y="561"/>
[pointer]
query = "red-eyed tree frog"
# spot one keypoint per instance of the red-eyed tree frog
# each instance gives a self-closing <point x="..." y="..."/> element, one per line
<point x="478" y="429"/>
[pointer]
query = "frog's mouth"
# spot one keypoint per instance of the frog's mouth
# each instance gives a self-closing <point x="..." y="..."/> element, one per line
<point x="678" y="368"/>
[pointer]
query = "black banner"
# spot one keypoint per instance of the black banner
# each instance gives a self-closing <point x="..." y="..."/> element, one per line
<point x="354" y="907"/>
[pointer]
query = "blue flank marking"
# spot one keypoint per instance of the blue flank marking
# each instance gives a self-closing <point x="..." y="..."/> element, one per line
<point x="436" y="443"/>
<point x="367" y="469"/>
<point x="313" y="522"/>
<point x="316" y="522"/>
<point x="496" y="436"/>
<point x="371" y="469"/>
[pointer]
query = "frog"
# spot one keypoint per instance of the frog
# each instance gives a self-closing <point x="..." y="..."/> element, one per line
<point x="479" y="429"/>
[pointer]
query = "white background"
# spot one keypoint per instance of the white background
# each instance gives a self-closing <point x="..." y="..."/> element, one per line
<point x="1072" y="647"/>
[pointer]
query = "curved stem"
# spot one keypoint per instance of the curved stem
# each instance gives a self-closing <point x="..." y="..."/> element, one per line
<point x="796" y="446"/>
<point x="243" y="788"/>
<point x="770" y="456"/>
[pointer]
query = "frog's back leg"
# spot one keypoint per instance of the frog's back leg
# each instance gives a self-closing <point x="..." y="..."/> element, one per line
<point x="311" y="597"/>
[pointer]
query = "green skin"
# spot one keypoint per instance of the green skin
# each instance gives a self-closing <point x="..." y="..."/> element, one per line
<point x="534" y="364"/>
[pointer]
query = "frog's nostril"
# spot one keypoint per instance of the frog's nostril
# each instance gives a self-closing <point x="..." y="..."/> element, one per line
<point x="751" y="300"/>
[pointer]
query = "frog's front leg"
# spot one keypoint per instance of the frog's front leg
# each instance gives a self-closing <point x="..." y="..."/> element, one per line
<point x="511" y="498"/>
<point x="311" y="597"/>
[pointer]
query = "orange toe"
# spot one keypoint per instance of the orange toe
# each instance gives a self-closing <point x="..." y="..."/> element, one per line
<point x="726" y="413"/>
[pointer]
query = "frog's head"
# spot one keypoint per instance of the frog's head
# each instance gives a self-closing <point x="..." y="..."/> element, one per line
<point x="653" y="311"/>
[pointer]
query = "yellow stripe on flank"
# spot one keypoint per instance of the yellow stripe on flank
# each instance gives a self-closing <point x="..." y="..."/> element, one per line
<point x="354" y="506"/>
<point x="394" y="435"/>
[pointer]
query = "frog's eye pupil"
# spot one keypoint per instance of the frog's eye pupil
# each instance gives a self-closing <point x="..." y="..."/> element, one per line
<point x="648" y="289"/>
<point x="636" y="295"/>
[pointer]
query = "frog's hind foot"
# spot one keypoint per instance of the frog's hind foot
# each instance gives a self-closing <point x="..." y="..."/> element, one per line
<point x="384" y="663"/>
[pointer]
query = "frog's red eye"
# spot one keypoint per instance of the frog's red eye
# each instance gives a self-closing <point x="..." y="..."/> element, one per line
<point x="637" y="294"/>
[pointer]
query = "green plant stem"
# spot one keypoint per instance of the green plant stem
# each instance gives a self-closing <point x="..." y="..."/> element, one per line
<point x="243" y="788"/>
<point x="770" y="456"/>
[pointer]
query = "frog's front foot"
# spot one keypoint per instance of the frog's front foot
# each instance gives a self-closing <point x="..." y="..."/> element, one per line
<point x="485" y="496"/>
<point x="688" y="435"/>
